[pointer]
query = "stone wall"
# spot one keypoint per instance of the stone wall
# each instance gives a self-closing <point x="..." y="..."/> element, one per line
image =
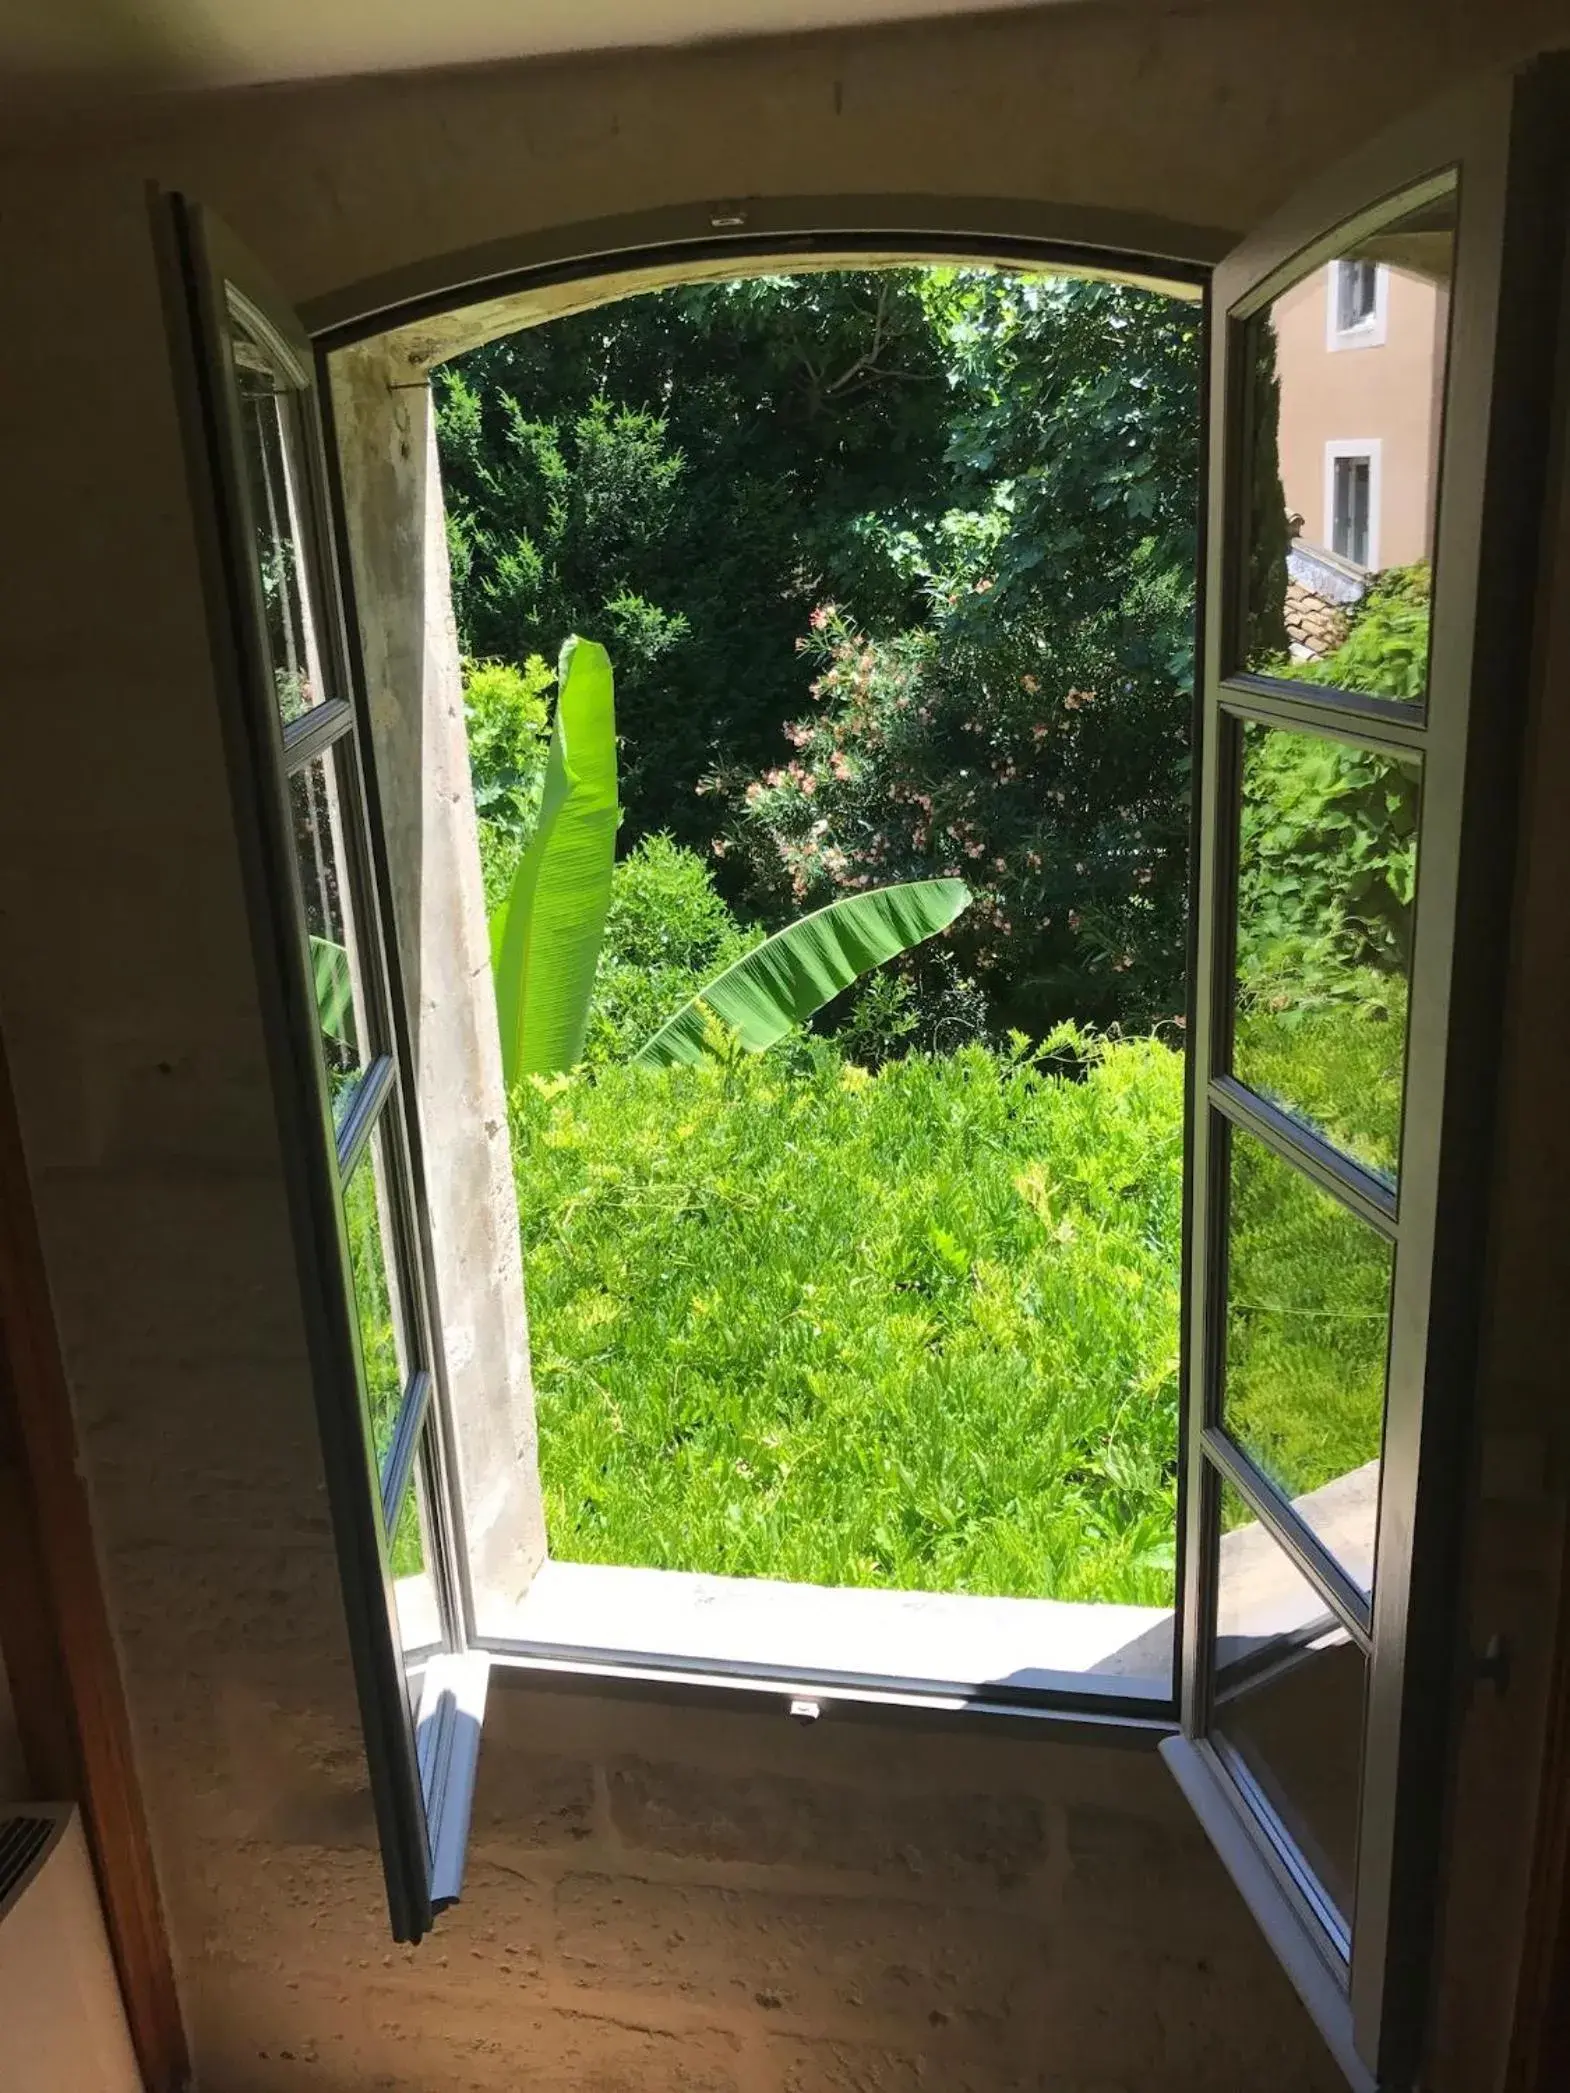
<point x="685" y="1900"/>
<point x="409" y="646"/>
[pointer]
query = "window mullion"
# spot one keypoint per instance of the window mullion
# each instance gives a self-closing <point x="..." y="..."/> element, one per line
<point x="398" y="1467"/>
<point x="1308" y="1554"/>
<point x="1358" y="1190"/>
<point x="370" y="1095"/>
<point x="315" y="732"/>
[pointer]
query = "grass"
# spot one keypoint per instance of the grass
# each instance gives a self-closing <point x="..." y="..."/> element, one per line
<point x="915" y="1328"/>
<point x="918" y="1327"/>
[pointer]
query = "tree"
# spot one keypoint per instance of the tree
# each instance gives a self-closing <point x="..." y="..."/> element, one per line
<point x="682" y="476"/>
<point x="1032" y="733"/>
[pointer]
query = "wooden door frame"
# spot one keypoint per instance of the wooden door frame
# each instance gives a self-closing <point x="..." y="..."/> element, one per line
<point x="55" y="1633"/>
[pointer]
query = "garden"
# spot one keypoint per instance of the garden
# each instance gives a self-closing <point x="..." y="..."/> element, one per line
<point x="837" y="867"/>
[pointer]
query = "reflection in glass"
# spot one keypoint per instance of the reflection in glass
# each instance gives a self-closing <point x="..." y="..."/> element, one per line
<point x="368" y="1218"/>
<point x="1345" y="373"/>
<point x="1327" y="870"/>
<point x="318" y="842"/>
<point x="1289" y="1698"/>
<point x="1308" y="1325"/>
<point x="414" y="1588"/>
<point x="273" y="484"/>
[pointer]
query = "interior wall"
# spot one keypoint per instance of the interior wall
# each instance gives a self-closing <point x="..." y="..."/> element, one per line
<point x="14" y="1786"/>
<point x="662" y="1897"/>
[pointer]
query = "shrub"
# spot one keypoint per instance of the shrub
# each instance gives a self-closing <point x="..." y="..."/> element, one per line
<point x="1031" y="734"/>
<point x="667" y="932"/>
<point x="1058" y="792"/>
<point x="509" y="733"/>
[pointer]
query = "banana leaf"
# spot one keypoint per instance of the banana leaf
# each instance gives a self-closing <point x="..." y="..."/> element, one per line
<point x="334" y="989"/>
<point x="783" y="981"/>
<point x="545" y="936"/>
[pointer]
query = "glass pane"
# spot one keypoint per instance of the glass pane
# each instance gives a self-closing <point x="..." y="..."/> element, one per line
<point x="414" y="1588"/>
<point x="317" y="813"/>
<point x="1345" y="377"/>
<point x="1308" y="1329"/>
<point x="368" y="1217"/>
<point x="1290" y="1684"/>
<point x="1327" y="870"/>
<point x="269" y="438"/>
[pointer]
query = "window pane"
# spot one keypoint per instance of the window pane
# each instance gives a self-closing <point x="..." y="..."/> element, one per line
<point x="368" y="1217"/>
<point x="1345" y="376"/>
<point x="414" y="1588"/>
<point x="1308" y="1327"/>
<point x="317" y="813"/>
<point x="269" y="405"/>
<point x="1290" y="1686"/>
<point x="1327" y="869"/>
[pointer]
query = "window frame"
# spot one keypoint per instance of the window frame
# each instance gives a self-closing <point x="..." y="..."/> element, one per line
<point x="1368" y="333"/>
<point x="1427" y="1665"/>
<point x="1500" y="143"/>
<point x="1353" y="450"/>
<point x="421" y="1708"/>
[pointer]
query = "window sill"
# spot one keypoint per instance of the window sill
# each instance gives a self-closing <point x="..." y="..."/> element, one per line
<point x="940" y="1651"/>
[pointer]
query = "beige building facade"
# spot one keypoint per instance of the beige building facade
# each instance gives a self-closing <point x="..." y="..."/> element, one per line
<point x="1359" y="359"/>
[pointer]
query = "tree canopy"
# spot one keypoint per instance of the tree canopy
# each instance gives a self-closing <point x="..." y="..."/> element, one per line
<point x="896" y="570"/>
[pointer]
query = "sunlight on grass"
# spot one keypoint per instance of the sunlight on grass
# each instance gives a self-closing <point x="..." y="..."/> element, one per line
<point x="915" y="1328"/>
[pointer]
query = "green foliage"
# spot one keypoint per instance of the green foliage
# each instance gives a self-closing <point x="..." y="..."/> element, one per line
<point x="790" y="976"/>
<point x="1308" y="1322"/>
<point x="1385" y="652"/>
<point x="916" y="1328"/>
<point x="667" y="931"/>
<point x="508" y="726"/>
<point x="1031" y="734"/>
<point x="675" y="475"/>
<point x="1328" y="864"/>
<point x="334" y="989"/>
<point x="545" y="937"/>
<point x="379" y="1357"/>
<point x="1326" y="878"/>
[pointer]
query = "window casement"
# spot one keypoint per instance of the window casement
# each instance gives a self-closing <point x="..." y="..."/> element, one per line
<point x="1320" y="1681"/>
<point x="1352" y="498"/>
<point x="1357" y="293"/>
<point x="1316" y="1698"/>
<point x="342" y="1067"/>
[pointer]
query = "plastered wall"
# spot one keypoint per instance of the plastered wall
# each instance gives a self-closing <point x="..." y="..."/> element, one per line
<point x="661" y="1896"/>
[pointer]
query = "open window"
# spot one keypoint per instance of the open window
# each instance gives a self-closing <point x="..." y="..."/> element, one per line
<point x="1364" y="669"/>
<point x="350" y="1132"/>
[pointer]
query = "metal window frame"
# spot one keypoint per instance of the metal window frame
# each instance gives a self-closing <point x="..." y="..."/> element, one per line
<point x="420" y="1794"/>
<point x="1499" y="144"/>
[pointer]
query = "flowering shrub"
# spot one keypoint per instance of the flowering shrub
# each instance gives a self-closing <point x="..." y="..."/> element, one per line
<point x="1031" y="733"/>
<point x="1051" y="779"/>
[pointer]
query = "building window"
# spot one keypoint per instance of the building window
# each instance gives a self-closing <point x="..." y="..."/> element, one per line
<point x="1355" y="304"/>
<point x="1352" y="500"/>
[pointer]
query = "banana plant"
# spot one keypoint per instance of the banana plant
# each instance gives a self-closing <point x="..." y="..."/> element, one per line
<point x="334" y="988"/>
<point x="546" y="934"/>
<point x="780" y="983"/>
